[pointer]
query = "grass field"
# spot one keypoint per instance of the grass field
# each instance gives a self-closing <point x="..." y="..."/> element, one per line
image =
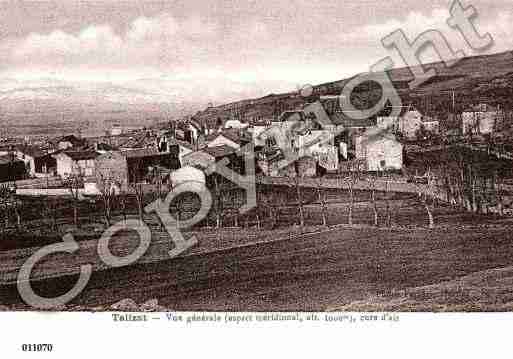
<point x="343" y="268"/>
<point x="487" y="290"/>
<point x="284" y="266"/>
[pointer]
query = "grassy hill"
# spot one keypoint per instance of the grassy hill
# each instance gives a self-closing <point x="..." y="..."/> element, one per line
<point x="474" y="79"/>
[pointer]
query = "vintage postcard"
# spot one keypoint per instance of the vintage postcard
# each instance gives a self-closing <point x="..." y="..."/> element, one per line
<point x="202" y="166"/>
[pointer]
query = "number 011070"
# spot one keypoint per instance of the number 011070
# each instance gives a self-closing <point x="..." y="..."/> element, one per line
<point x="37" y="347"/>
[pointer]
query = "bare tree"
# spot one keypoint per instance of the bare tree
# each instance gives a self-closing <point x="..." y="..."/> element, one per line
<point x="158" y="180"/>
<point x="299" y="195"/>
<point x="75" y="183"/>
<point x="499" y="196"/>
<point x="279" y="202"/>
<point x="322" y="201"/>
<point x="49" y="212"/>
<point x="218" y="202"/>
<point x="448" y="184"/>
<point x="236" y="218"/>
<point x="5" y="194"/>
<point x="273" y="203"/>
<point x="484" y="197"/>
<point x="351" y="180"/>
<point x="372" y="185"/>
<point x="123" y="199"/>
<point x="258" y="220"/>
<point x="473" y="187"/>
<point x="52" y="202"/>
<point x="388" y="195"/>
<point x="235" y="208"/>
<point x="426" y="194"/>
<point x="107" y="187"/>
<point x="16" y="204"/>
<point x="466" y="186"/>
<point x="138" y="190"/>
<point x="262" y="207"/>
<point x="465" y="179"/>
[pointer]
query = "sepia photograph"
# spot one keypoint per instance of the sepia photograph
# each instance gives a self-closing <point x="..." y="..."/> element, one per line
<point x="225" y="164"/>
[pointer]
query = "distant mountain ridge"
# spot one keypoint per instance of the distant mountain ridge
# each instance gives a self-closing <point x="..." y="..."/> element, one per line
<point x="44" y="101"/>
<point x="167" y="97"/>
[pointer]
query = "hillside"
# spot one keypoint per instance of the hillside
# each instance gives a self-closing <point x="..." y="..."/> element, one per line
<point x="473" y="79"/>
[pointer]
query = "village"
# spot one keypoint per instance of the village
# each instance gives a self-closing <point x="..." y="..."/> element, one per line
<point x="316" y="140"/>
<point x="318" y="173"/>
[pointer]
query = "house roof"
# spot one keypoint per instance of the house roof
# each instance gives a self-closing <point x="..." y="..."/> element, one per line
<point x="139" y="141"/>
<point x="79" y="155"/>
<point x="32" y="151"/>
<point x="285" y="116"/>
<point x="6" y="159"/>
<point x="342" y="119"/>
<point x="234" y="123"/>
<point x="174" y="141"/>
<point x="274" y="155"/>
<point x="105" y="147"/>
<point x="262" y="122"/>
<point x="219" y="151"/>
<point x="236" y="135"/>
<point x="143" y="152"/>
<point x="69" y="138"/>
<point x="427" y="119"/>
<point x="479" y="108"/>
<point x="376" y="134"/>
<point x="198" y="159"/>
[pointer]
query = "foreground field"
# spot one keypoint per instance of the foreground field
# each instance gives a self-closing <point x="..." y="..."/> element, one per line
<point x="489" y="290"/>
<point x="335" y="269"/>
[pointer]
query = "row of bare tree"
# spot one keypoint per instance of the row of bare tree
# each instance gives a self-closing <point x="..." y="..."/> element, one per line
<point x="462" y="182"/>
<point x="472" y="187"/>
<point x="9" y="203"/>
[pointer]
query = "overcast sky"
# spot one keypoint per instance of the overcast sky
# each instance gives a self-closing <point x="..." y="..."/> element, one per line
<point x="270" y="43"/>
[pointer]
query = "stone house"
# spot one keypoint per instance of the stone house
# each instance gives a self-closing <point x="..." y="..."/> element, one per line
<point x="126" y="167"/>
<point x="380" y="151"/>
<point x="38" y="162"/>
<point x="71" y="162"/>
<point x="481" y="119"/>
